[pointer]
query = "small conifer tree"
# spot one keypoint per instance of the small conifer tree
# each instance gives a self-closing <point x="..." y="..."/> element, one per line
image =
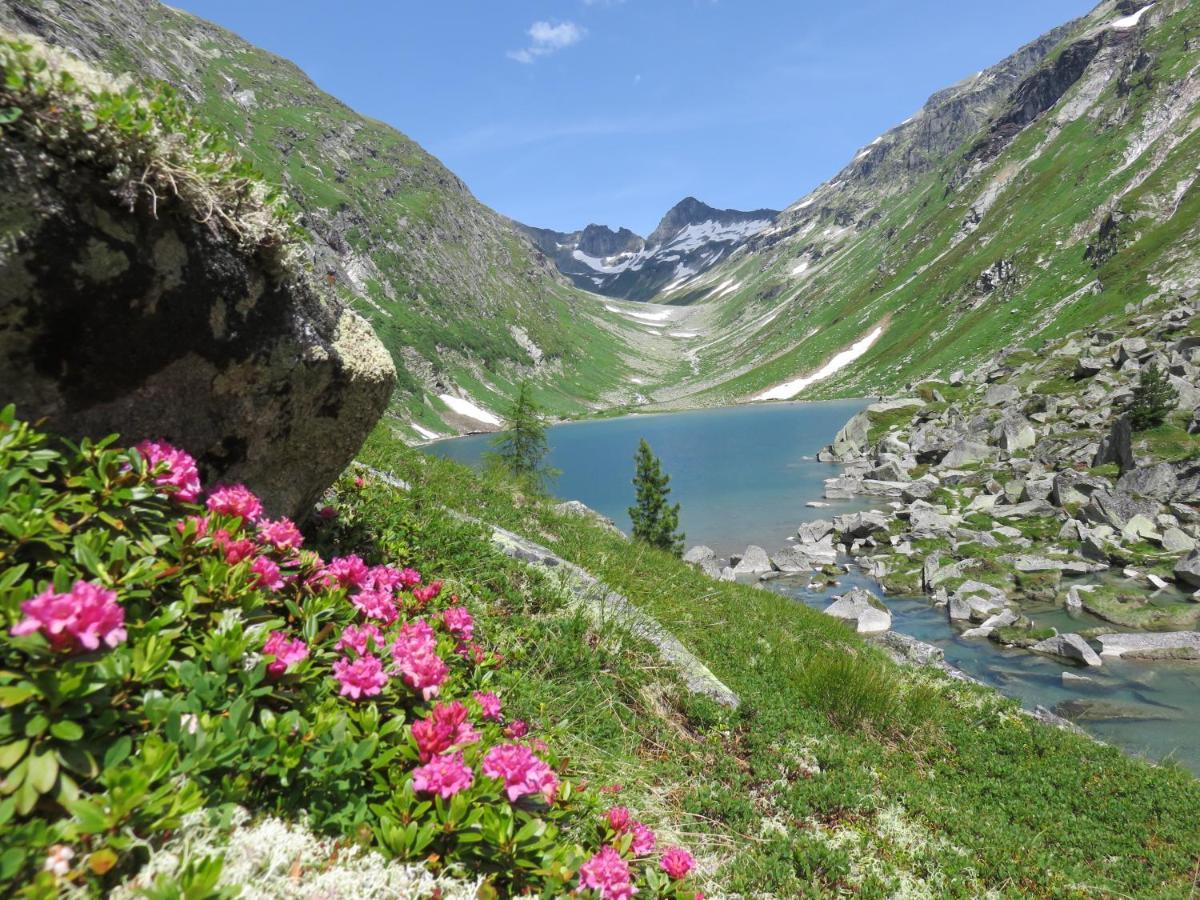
<point x="653" y="520"/>
<point x="521" y="448"/>
<point x="1153" y="399"/>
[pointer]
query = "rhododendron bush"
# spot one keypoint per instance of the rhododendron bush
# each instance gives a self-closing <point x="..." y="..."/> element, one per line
<point x="170" y="647"/>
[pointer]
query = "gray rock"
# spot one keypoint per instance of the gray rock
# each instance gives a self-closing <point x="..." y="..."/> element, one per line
<point x="1001" y="395"/>
<point x="1087" y="367"/>
<point x="1157" y="482"/>
<point x="1140" y="528"/>
<point x="181" y="326"/>
<point x="1117" y="446"/>
<point x="699" y="554"/>
<point x="842" y="488"/>
<point x="576" y="508"/>
<point x="889" y="471"/>
<point x="1076" y="488"/>
<point x="918" y="490"/>
<point x="1017" y="434"/>
<point x="906" y="648"/>
<point x="1166" y="645"/>
<point x="814" y="531"/>
<point x="976" y="601"/>
<point x="965" y="452"/>
<point x="851" y="441"/>
<point x="727" y="574"/>
<point x="806" y="557"/>
<point x="1116" y="509"/>
<point x="861" y="607"/>
<point x="1175" y="540"/>
<point x="1187" y="570"/>
<point x="753" y="562"/>
<point x="860" y="525"/>
<point x="1068" y="646"/>
<point x="1030" y="509"/>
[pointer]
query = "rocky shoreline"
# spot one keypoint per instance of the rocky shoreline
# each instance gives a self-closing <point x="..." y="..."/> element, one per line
<point x="1023" y="484"/>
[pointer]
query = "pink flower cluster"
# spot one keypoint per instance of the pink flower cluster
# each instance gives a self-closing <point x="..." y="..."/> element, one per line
<point x="82" y="619"/>
<point x="360" y="639"/>
<point x="235" y="500"/>
<point x="522" y="772"/>
<point x="621" y="821"/>
<point x="607" y="874"/>
<point x="445" y="727"/>
<point x="362" y="677"/>
<point x="489" y="703"/>
<point x="677" y="863"/>
<point x="286" y="652"/>
<point x="282" y="534"/>
<point x="178" y="469"/>
<point x="459" y="622"/>
<point x="443" y="775"/>
<point x="416" y="657"/>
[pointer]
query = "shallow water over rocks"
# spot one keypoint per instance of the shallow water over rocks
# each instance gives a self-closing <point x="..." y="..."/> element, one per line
<point x="744" y="476"/>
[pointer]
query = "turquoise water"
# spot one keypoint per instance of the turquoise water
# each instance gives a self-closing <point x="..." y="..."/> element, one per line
<point x="739" y="473"/>
<point x="743" y="476"/>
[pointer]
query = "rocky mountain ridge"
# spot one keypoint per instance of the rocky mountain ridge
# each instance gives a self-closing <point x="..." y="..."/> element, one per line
<point x="1044" y="193"/>
<point x="689" y="240"/>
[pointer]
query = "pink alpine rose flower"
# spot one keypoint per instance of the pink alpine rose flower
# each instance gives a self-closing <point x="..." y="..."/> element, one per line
<point x="384" y="578"/>
<point x="282" y="534"/>
<point x="198" y="524"/>
<point x="643" y="839"/>
<point x="676" y="862"/>
<point x="443" y="775"/>
<point x="409" y="578"/>
<point x="176" y="470"/>
<point x="266" y="574"/>
<point x="363" y="677"/>
<point x="287" y="652"/>
<point x="345" y="572"/>
<point x="522" y="772"/>
<point x="517" y="728"/>
<point x="82" y="619"/>
<point x="423" y="595"/>
<point x="235" y="550"/>
<point x="356" y="638"/>
<point x="236" y="500"/>
<point x="445" y="727"/>
<point x="618" y="818"/>
<point x="376" y="605"/>
<point x="608" y="874"/>
<point x="459" y="622"/>
<point x="489" y="703"/>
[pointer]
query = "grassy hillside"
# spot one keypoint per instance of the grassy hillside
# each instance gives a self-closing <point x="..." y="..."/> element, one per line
<point x="1018" y="235"/>
<point x="841" y="772"/>
<point x="464" y="303"/>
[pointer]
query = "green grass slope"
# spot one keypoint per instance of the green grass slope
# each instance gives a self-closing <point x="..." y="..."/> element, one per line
<point x="1027" y="229"/>
<point x="463" y="302"/>
<point x="841" y="773"/>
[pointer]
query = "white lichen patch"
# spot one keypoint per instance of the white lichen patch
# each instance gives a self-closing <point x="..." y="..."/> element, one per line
<point x="271" y="858"/>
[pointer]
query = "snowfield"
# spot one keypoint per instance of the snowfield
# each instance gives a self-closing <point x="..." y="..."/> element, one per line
<point x="790" y="389"/>
<point x="1132" y="21"/>
<point x="469" y="409"/>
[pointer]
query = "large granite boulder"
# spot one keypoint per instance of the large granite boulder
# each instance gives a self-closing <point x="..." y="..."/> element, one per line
<point x="1068" y="646"/>
<point x="859" y="606"/>
<point x="753" y="562"/>
<point x="125" y="307"/>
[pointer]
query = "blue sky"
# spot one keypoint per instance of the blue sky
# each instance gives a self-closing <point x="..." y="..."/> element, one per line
<point x="564" y="112"/>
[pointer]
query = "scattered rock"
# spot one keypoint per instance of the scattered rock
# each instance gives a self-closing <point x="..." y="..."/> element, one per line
<point x="753" y="562"/>
<point x="1069" y="646"/>
<point x="1163" y="645"/>
<point x="862" y="608"/>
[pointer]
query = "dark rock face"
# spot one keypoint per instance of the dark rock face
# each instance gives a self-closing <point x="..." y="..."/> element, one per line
<point x="1038" y="93"/>
<point x="1117" y="446"/>
<point x="159" y="326"/>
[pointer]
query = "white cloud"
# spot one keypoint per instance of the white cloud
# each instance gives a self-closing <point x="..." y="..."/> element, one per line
<point x="546" y="38"/>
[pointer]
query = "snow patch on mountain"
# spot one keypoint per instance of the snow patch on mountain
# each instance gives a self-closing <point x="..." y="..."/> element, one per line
<point x="790" y="389"/>
<point x="469" y="409"/>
